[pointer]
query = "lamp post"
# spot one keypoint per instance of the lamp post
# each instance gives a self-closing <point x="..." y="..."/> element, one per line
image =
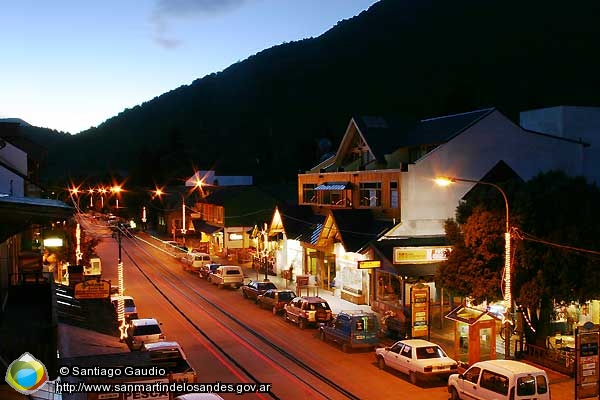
<point x="183" y="230"/>
<point x="445" y="181"/>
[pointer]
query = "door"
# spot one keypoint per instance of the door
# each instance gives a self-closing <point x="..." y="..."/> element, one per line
<point x="467" y="387"/>
<point x="393" y="356"/>
<point x="405" y="359"/>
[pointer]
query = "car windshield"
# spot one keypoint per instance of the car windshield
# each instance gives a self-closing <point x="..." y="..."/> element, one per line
<point x="232" y="272"/>
<point x="142" y="330"/>
<point x="286" y="296"/>
<point x="265" y="286"/>
<point x="318" y="306"/>
<point x="430" y="352"/>
<point x="129" y="303"/>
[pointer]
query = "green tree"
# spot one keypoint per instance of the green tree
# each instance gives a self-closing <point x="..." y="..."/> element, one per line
<point x="556" y="246"/>
<point x="474" y="266"/>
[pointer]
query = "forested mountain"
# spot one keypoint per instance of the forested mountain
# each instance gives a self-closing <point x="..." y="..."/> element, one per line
<point x="265" y="116"/>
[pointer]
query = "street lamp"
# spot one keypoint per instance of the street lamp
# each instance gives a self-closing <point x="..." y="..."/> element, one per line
<point x="445" y="181"/>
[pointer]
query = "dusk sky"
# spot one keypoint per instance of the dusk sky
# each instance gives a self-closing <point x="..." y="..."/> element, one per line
<point x="70" y="65"/>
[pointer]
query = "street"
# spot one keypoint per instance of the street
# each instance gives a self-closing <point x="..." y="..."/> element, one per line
<point x="203" y="319"/>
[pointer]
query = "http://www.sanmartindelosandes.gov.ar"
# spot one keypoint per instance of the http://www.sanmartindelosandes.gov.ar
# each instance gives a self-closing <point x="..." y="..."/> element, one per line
<point x="26" y="374"/>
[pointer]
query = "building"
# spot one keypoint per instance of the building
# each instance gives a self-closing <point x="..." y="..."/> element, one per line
<point x="386" y="166"/>
<point x="28" y="320"/>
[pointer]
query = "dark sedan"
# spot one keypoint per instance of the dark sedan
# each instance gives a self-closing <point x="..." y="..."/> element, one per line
<point x="253" y="289"/>
<point x="275" y="299"/>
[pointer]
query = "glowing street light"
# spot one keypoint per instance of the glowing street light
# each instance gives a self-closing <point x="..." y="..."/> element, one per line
<point x="445" y="181"/>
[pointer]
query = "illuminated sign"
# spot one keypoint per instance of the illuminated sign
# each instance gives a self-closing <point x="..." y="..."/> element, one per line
<point x="419" y="302"/>
<point x="415" y="255"/>
<point x="92" y="289"/>
<point x="53" y="242"/>
<point x="235" y="236"/>
<point x="370" y="264"/>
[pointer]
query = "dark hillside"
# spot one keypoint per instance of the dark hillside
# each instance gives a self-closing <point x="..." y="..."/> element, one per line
<point x="264" y="116"/>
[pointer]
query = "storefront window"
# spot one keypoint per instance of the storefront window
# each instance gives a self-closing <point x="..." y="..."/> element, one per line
<point x="388" y="288"/>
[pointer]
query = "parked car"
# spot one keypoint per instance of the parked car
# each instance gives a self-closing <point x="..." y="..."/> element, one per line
<point x="416" y="358"/>
<point x="253" y="289"/>
<point x="352" y="329"/>
<point x="129" y="307"/>
<point x="227" y="275"/>
<point x="170" y="347"/>
<point x="194" y="261"/>
<point x="206" y="269"/>
<point x="307" y="310"/>
<point x="275" y="299"/>
<point x="142" y="331"/>
<point x="500" y="379"/>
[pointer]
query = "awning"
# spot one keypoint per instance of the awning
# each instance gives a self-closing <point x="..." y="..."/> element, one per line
<point x="202" y="226"/>
<point x="469" y="315"/>
<point x="20" y="213"/>
<point x="333" y="186"/>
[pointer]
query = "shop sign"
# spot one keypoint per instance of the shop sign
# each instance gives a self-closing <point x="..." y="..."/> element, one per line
<point x="419" y="302"/>
<point x="92" y="289"/>
<point x="587" y="342"/>
<point x="369" y="264"/>
<point x="415" y="255"/>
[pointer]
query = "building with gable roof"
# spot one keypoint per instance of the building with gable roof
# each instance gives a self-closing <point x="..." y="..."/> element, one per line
<point x="386" y="166"/>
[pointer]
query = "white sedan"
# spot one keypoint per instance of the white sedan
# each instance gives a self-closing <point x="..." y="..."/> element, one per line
<point x="416" y="358"/>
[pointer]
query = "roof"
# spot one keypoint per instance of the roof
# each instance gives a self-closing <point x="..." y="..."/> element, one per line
<point x="300" y="223"/>
<point x="509" y="365"/>
<point x="384" y="135"/>
<point x="19" y="213"/>
<point x="202" y="226"/>
<point x="357" y="227"/>
<point x="144" y="321"/>
<point x="243" y="205"/>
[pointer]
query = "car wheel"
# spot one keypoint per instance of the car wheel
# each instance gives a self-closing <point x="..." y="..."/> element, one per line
<point x="454" y="393"/>
<point x="274" y="310"/>
<point x="380" y="362"/>
<point x="413" y="377"/>
<point x="302" y="323"/>
<point x="244" y="294"/>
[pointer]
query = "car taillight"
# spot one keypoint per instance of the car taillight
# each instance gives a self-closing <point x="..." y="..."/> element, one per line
<point x="303" y="314"/>
<point x="161" y="336"/>
<point x="429" y="368"/>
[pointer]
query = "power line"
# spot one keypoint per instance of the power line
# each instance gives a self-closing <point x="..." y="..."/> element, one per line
<point x="526" y="236"/>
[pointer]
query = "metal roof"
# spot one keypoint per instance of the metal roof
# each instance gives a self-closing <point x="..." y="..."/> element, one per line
<point x="333" y="186"/>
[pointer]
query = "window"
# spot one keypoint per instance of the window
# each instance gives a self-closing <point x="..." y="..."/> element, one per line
<point x="370" y="194"/>
<point x="429" y="352"/>
<point x="235" y="236"/>
<point x="393" y="194"/>
<point x="407" y="351"/>
<point x="494" y="382"/>
<point x="309" y="195"/>
<point x="396" y="348"/>
<point x="472" y="375"/>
